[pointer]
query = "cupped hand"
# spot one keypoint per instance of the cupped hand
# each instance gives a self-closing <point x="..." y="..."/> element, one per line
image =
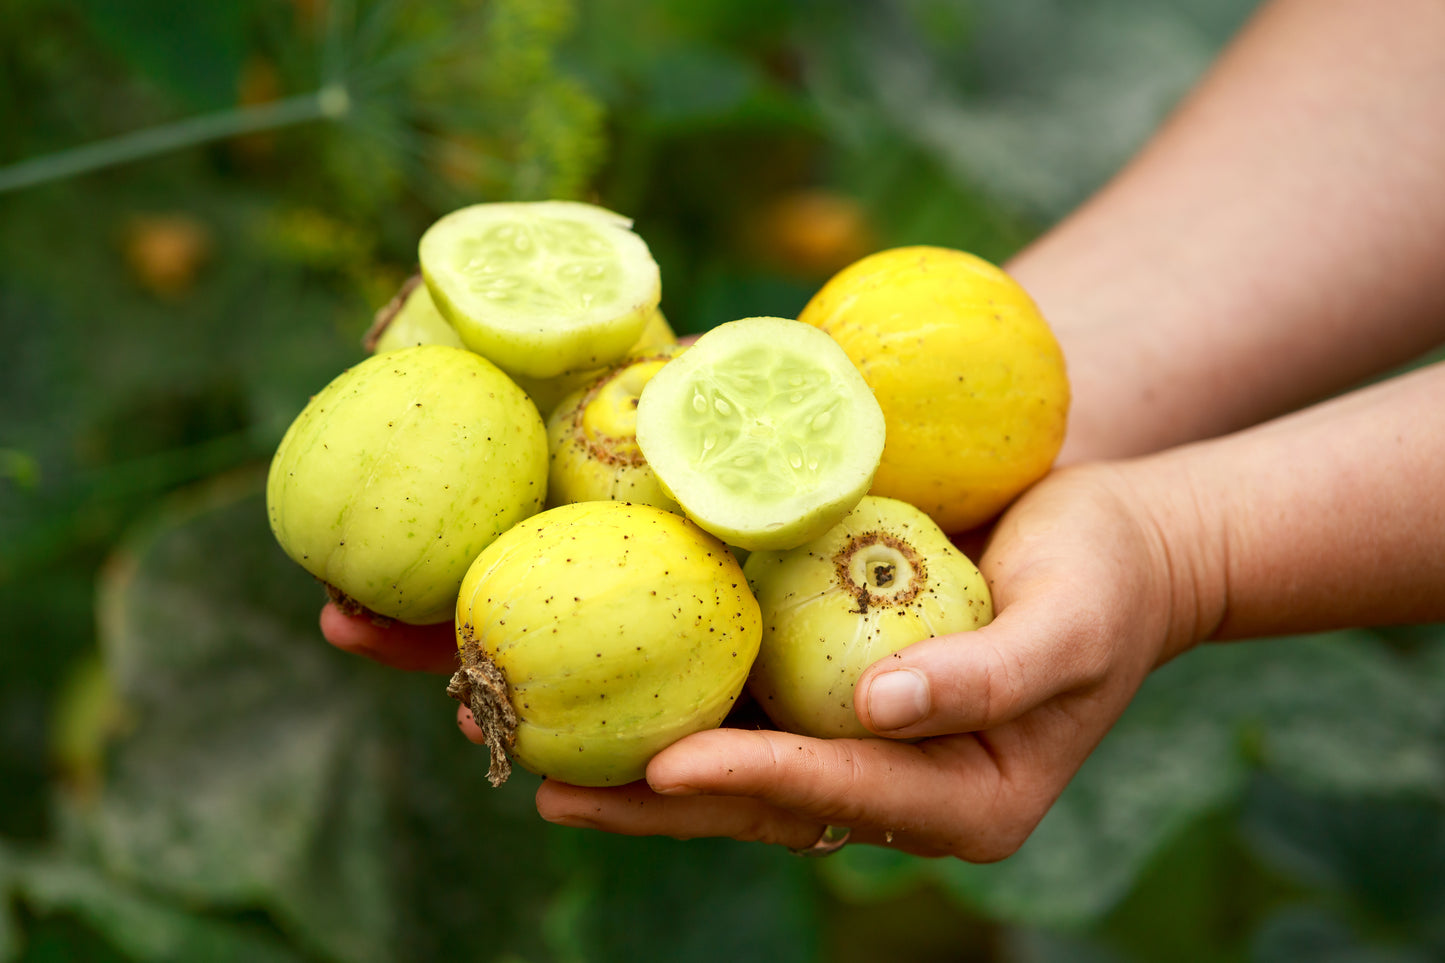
<point x="415" y="648"/>
<point x="1093" y="586"/>
<point x="982" y="730"/>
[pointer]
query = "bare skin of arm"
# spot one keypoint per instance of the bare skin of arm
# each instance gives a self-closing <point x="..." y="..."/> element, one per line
<point x="1279" y="241"/>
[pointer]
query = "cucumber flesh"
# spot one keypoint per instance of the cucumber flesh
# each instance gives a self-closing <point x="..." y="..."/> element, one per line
<point x="541" y="288"/>
<point x="763" y="431"/>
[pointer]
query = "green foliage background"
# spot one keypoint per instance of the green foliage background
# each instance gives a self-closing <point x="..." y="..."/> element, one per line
<point x="187" y="772"/>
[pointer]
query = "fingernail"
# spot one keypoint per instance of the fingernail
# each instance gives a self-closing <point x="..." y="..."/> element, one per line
<point x="674" y="789"/>
<point x="897" y="699"/>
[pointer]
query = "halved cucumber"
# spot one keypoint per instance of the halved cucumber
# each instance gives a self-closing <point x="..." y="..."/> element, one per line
<point x="541" y="288"/>
<point x="763" y="431"/>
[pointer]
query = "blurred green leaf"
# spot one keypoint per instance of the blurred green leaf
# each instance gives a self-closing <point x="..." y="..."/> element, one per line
<point x="1381" y="855"/>
<point x="708" y="901"/>
<point x="193" y="50"/>
<point x="914" y="200"/>
<point x="1042" y="104"/>
<point x="1200" y="898"/>
<point x="698" y="84"/>
<point x="20" y="468"/>
<point x="1316" y="935"/>
<point x="1338" y="713"/>
<point x="240" y="783"/>
<point x="9" y="934"/>
<point x="141" y="926"/>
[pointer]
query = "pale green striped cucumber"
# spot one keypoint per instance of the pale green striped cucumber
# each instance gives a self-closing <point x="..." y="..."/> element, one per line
<point x="763" y="431"/>
<point x="544" y="287"/>
<point x="400" y="471"/>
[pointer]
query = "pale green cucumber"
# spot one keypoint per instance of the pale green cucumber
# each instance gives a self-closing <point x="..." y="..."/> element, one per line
<point x="410" y="319"/>
<point x="541" y="288"/>
<point x="883" y="578"/>
<point x="763" y="431"/>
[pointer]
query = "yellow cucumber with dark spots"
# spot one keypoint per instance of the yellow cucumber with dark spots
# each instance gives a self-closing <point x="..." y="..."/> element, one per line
<point x="592" y="437"/>
<point x="594" y="635"/>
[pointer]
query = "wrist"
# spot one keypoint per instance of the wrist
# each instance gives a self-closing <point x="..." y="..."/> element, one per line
<point x="1179" y="519"/>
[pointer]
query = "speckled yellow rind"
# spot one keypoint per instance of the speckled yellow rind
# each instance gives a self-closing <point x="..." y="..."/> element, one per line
<point x="970" y="378"/>
<point x="592" y="440"/>
<point x="619" y="629"/>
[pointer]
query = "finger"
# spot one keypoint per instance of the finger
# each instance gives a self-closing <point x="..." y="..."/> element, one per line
<point x="468" y="724"/>
<point x="635" y="810"/>
<point x="941" y="796"/>
<point x="1034" y="650"/>
<point x="416" y="648"/>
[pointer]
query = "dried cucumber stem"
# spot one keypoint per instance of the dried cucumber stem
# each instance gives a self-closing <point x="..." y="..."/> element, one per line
<point x="350" y="606"/>
<point x="388" y="313"/>
<point x="481" y="686"/>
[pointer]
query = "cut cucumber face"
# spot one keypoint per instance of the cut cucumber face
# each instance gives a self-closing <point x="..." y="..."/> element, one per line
<point x="541" y="288"/>
<point x="763" y="431"/>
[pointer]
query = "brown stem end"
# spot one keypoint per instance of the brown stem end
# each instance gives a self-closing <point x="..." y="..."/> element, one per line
<point x="481" y="686"/>
<point x="350" y="606"/>
<point x="383" y="318"/>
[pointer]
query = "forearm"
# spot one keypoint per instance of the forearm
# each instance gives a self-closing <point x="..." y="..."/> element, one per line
<point x="1277" y="241"/>
<point x="1328" y="518"/>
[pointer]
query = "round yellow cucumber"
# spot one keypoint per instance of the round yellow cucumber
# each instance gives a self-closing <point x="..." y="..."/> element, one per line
<point x="594" y="635"/>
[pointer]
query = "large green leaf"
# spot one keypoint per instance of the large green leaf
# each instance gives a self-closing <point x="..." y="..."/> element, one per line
<point x="701" y="900"/>
<point x="194" y="50"/>
<point x="248" y="779"/>
<point x="139" y="924"/>
<point x="263" y="770"/>
<point x="1341" y="714"/>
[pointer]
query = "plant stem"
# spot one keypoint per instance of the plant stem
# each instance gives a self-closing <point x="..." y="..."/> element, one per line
<point x="331" y="102"/>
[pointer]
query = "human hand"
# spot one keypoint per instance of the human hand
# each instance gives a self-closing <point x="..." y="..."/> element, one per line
<point x="415" y="648"/>
<point x="1089" y="599"/>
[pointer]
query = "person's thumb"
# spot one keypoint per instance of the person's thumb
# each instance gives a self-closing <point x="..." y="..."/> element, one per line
<point x="971" y="681"/>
